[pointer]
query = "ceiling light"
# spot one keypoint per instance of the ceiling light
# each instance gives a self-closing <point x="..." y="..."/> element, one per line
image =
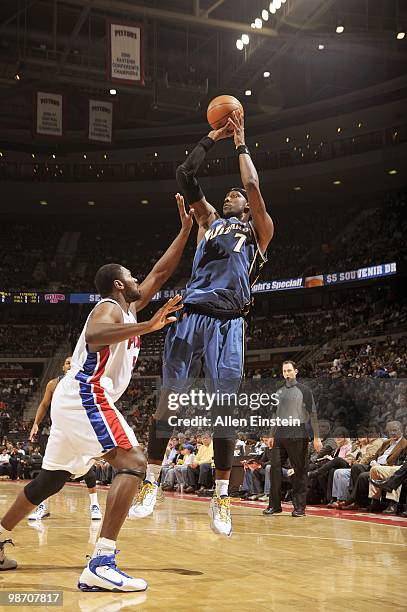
<point x="337" y="182"/>
<point x="266" y="74"/>
<point x="155" y="154"/>
<point x="43" y="202"/>
<point x="53" y="156"/>
<point x="17" y="77"/>
<point x="400" y="35"/>
<point x="91" y="203"/>
<point x="144" y="201"/>
<point x="307" y="136"/>
<point x="84" y="156"/>
<point x="258" y="23"/>
<point x="360" y="124"/>
<point x="257" y="145"/>
<point x="265" y="15"/>
<point x="297" y="188"/>
<point x="253" y="25"/>
<point x="321" y="47"/>
<point x="340" y="29"/>
<point x="277" y="4"/>
<point x="245" y="39"/>
<point x="338" y="129"/>
<point x="33" y="155"/>
<point x="113" y="92"/>
<point x="287" y="139"/>
<point x="272" y="8"/>
<point x="105" y="156"/>
<point x="239" y="44"/>
<point x="393" y="171"/>
<point x="1" y="154"/>
<point x="248" y="92"/>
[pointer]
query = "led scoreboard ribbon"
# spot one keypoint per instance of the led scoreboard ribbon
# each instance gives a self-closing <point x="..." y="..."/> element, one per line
<point x="320" y="280"/>
<point x="21" y="297"/>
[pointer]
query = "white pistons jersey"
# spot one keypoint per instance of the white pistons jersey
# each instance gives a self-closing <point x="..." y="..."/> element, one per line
<point x="85" y="421"/>
<point x="110" y="368"/>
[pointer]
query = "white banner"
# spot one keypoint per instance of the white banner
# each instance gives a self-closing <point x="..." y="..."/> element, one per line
<point x="49" y="119"/>
<point x="125" y="56"/>
<point x="100" y="121"/>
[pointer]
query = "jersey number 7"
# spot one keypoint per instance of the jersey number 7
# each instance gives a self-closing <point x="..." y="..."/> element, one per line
<point x="240" y="242"/>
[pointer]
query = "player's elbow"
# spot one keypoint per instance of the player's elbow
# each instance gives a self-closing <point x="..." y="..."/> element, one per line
<point x="252" y="185"/>
<point x="181" y="174"/>
<point x="91" y="337"/>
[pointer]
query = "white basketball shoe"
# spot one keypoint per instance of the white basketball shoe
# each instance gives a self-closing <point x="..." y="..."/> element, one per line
<point x="102" y="574"/>
<point x="149" y="494"/>
<point x="221" y="518"/>
<point x="39" y="513"/>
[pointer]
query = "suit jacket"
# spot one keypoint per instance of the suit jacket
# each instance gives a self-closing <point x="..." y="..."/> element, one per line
<point x="398" y="451"/>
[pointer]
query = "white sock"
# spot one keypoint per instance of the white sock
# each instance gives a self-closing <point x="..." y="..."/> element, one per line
<point x="222" y="487"/>
<point x="104" y="546"/>
<point x="5" y="534"/>
<point x="153" y="472"/>
<point x="93" y="499"/>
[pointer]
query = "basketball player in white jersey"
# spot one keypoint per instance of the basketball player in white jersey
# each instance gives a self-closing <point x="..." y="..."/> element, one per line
<point x="85" y="422"/>
<point x="42" y="510"/>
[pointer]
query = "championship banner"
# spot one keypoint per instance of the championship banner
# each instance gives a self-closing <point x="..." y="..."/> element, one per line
<point x="49" y="114"/>
<point x="125" y="53"/>
<point x="100" y="121"/>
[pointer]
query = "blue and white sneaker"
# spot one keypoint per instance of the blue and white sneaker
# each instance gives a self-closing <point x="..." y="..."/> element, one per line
<point x="102" y="574"/>
<point x="41" y="512"/>
<point x="95" y="512"/>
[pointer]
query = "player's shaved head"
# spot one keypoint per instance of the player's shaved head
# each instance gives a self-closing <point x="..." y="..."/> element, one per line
<point x="105" y="277"/>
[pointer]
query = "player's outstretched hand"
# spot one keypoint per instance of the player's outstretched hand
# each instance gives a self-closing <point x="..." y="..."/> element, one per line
<point x="236" y="122"/>
<point x="187" y="219"/>
<point x="33" y="432"/>
<point x="224" y="132"/>
<point x="161" y="317"/>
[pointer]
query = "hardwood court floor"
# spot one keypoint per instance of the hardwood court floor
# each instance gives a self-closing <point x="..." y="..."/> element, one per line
<point x="277" y="563"/>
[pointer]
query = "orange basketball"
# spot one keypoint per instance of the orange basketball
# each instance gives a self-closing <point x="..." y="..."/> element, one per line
<point x="220" y="109"/>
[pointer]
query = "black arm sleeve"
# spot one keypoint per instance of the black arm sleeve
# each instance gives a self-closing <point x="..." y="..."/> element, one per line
<point x="186" y="172"/>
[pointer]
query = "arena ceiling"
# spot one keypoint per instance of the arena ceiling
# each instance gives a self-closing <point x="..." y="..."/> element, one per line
<point x="191" y="55"/>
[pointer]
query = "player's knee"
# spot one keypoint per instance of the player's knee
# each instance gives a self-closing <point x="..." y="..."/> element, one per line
<point x="133" y="459"/>
<point x="47" y="483"/>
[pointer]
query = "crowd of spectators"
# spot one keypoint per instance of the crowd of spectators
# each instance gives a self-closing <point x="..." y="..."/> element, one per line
<point x="334" y="241"/>
<point x="30" y="340"/>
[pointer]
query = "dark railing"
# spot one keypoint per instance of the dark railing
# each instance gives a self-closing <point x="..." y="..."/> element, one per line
<point x="160" y="170"/>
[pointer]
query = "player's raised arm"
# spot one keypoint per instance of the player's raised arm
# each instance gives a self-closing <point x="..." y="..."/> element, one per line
<point x="43" y="407"/>
<point x="262" y="221"/>
<point x="205" y="214"/>
<point x="106" y="325"/>
<point x="168" y="263"/>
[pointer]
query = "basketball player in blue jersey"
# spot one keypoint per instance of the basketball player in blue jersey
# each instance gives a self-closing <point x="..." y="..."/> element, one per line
<point x="42" y="511"/>
<point x="209" y="334"/>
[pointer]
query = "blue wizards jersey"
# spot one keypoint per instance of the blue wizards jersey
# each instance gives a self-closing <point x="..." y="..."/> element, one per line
<point x="227" y="263"/>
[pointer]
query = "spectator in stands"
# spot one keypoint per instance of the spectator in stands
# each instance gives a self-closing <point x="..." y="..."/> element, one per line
<point x="361" y="454"/>
<point x="199" y="473"/>
<point x="4" y="462"/>
<point x="324" y="474"/>
<point x="188" y="458"/>
<point x="391" y="452"/>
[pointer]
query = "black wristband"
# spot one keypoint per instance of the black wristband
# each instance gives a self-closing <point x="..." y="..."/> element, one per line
<point x="207" y="143"/>
<point x="242" y="150"/>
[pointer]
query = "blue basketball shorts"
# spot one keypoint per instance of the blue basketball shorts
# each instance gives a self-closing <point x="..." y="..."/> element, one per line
<point x="201" y="346"/>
